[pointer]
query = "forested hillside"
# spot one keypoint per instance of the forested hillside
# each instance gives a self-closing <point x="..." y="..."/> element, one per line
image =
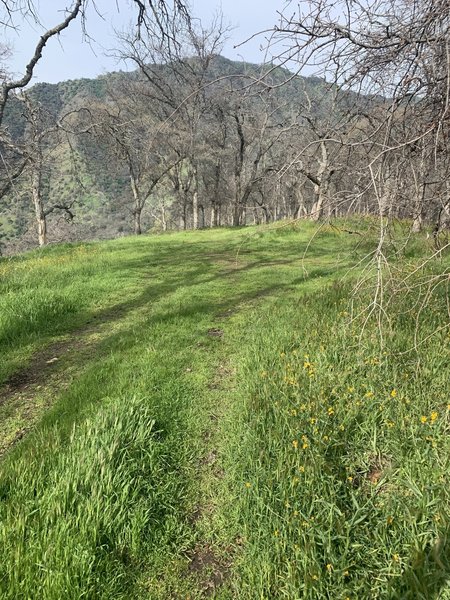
<point x="88" y="173"/>
<point x="188" y="139"/>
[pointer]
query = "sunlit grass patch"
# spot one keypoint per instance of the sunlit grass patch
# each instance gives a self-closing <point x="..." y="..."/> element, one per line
<point x="329" y="462"/>
<point x="95" y="512"/>
<point x="342" y="474"/>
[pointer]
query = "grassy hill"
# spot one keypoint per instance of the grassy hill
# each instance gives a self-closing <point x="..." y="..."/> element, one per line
<point x="211" y="414"/>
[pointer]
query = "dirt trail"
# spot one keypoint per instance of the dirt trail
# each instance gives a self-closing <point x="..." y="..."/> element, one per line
<point x="209" y="562"/>
<point x="31" y="390"/>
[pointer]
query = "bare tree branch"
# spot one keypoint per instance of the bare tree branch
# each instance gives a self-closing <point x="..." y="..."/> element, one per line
<point x="8" y="86"/>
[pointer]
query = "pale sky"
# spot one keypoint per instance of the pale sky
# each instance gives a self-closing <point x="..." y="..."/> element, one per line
<point x="71" y="57"/>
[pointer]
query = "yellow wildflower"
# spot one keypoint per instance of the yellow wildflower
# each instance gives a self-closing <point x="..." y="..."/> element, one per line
<point x="248" y="484"/>
<point x="394" y="393"/>
<point x="434" y="416"/>
<point x="423" y="419"/>
<point x="295" y="444"/>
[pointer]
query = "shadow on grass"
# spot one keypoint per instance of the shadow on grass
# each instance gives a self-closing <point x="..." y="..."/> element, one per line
<point x="69" y="320"/>
<point x="428" y="575"/>
<point x="96" y="378"/>
<point x="158" y="261"/>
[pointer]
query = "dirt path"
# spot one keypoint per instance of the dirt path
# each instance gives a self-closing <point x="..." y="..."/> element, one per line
<point x="210" y="563"/>
<point x="31" y="390"/>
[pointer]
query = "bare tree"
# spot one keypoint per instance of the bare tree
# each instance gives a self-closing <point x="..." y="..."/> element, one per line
<point x="132" y="140"/>
<point x="396" y="51"/>
<point x="10" y="6"/>
<point x="157" y="15"/>
<point x="393" y="56"/>
<point x="148" y="12"/>
<point x="176" y="78"/>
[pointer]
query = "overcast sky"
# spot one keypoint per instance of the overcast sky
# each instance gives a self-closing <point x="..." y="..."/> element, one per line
<point x="71" y="57"/>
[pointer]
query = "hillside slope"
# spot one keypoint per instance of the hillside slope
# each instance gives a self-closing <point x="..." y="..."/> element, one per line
<point x="79" y="173"/>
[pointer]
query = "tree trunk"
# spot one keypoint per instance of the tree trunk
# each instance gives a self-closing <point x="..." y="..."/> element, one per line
<point x="163" y="218"/>
<point x="317" y="209"/>
<point x="387" y="197"/>
<point x="321" y="188"/>
<point x="418" y="211"/>
<point x="195" y="204"/>
<point x="195" y="210"/>
<point x="184" y="215"/>
<point x="236" y="214"/>
<point x="138" y="205"/>
<point x="301" y="207"/>
<point x="137" y="221"/>
<point x="417" y="223"/>
<point x="41" y="220"/>
<point x="442" y="222"/>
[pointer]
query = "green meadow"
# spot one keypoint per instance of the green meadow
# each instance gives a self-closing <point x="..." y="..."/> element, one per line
<point x="226" y="414"/>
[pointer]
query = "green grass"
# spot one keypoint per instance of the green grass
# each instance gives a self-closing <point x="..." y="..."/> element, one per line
<point x="291" y="452"/>
<point x="342" y="472"/>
